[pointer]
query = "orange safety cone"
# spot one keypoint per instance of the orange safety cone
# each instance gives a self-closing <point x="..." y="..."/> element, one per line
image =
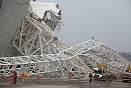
<point x="11" y="79"/>
<point x="70" y="79"/>
<point x="38" y="79"/>
<point x="23" y="81"/>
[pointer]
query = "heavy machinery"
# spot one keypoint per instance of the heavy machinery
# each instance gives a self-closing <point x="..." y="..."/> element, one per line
<point x="126" y="77"/>
<point x="129" y="69"/>
<point x="103" y="74"/>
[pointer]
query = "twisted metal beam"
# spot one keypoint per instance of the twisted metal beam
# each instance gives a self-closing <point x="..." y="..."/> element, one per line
<point x="46" y="54"/>
<point x="64" y="61"/>
<point x="35" y="37"/>
<point x="38" y="64"/>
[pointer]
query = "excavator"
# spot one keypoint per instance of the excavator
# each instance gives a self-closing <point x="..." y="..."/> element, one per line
<point x="105" y="75"/>
<point x="102" y="66"/>
<point x="126" y="77"/>
<point x="100" y="71"/>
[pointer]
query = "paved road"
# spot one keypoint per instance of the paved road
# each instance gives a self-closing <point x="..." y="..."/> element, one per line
<point x="65" y="84"/>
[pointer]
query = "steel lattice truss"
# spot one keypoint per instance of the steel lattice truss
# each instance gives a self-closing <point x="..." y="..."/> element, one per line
<point x="44" y="53"/>
<point x="80" y="58"/>
<point x="35" y="37"/>
<point x="62" y="63"/>
<point x="115" y="62"/>
<point x="101" y="54"/>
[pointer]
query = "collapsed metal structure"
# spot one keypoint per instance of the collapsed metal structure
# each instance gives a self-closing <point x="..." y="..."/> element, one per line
<point x="46" y="54"/>
<point x="34" y="36"/>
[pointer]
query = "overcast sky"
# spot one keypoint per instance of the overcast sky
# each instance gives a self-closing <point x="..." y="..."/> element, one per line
<point x="108" y="21"/>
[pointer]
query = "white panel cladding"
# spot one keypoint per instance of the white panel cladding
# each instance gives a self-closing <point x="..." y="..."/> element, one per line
<point x="11" y="15"/>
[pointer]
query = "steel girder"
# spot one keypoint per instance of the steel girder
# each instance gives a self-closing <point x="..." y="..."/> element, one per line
<point x="103" y="54"/>
<point x="115" y="58"/>
<point x="34" y="37"/>
<point x="61" y="63"/>
<point x="47" y="54"/>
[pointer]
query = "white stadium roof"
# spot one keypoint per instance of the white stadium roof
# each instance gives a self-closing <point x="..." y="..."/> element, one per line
<point x="39" y="8"/>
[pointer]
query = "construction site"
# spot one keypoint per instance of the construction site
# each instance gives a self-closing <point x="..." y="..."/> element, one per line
<point x="30" y="46"/>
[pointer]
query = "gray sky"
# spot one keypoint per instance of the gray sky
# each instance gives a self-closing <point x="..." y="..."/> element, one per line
<point x="108" y="21"/>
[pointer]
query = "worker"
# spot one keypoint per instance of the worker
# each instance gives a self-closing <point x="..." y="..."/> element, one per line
<point x="15" y="76"/>
<point x="90" y="77"/>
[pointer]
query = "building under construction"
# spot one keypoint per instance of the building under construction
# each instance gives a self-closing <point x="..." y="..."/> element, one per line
<point x="28" y="43"/>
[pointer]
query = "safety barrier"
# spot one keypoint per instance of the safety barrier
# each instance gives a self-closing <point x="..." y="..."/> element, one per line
<point x="38" y="79"/>
<point x="11" y="79"/>
<point x="70" y="77"/>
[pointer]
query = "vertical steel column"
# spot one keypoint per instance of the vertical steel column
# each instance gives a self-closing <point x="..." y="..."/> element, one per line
<point x="40" y="42"/>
